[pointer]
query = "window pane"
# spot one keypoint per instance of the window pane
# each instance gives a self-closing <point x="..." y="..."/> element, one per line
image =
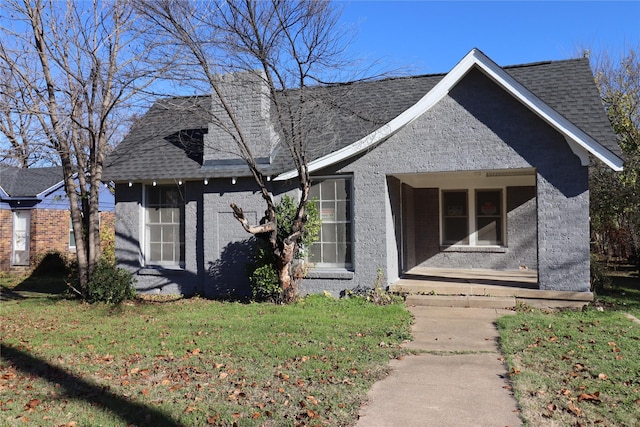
<point x="456" y="230"/>
<point x="156" y="252"/>
<point x="342" y="211"/>
<point x="328" y="190"/>
<point x="329" y="233"/>
<point x="455" y="203"/>
<point x="329" y="253"/>
<point x="343" y="190"/>
<point x="489" y="231"/>
<point x="316" y="252"/>
<point x="344" y="253"/>
<point x="328" y="211"/>
<point x="167" y="252"/>
<point x="153" y="215"/>
<point x="155" y="233"/>
<point x="488" y="203"/>
<point x="314" y="191"/>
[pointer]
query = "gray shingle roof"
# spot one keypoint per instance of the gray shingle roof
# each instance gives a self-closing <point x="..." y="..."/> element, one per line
<point x="17" y="182"/>
<point x="153" y="148"/>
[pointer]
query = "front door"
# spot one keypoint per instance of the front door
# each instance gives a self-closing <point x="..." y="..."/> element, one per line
<point x="21" y="225"/>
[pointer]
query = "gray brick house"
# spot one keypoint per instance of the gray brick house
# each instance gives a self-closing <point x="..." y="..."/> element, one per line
<point x="484" y="167"/>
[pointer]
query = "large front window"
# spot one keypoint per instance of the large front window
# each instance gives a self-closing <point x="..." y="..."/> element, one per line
<point x="472" y="218"/>
<point x="164" y="225"/>
<point x="333" y="196"/>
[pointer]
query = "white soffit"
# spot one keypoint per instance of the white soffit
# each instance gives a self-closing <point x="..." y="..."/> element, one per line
<point x="578" y="140"/>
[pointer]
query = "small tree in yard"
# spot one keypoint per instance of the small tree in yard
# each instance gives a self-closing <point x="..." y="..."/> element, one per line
<point x="615" y="196"/>
<point x="68" y="70"/>
<point x="283" y="46"/>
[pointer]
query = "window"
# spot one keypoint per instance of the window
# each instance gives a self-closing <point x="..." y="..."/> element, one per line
<point x="488" y="217"/>
<point x="455" y="218"/>
<point x="164" y="225"/>
<point x="72" y="235"/>
<point x="482" y="226"/>
<point x="333" y="196"/>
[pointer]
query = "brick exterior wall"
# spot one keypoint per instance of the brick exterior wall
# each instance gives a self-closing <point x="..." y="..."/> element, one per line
<point x="6" y="226"/>
<point x="476" y="127"/>
<point x="49" y="231"/>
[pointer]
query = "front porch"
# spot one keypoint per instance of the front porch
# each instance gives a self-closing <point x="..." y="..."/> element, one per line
<point x="482" y="288"/>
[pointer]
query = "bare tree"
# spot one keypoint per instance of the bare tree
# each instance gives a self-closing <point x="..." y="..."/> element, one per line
<point x="68" y="70"/>
<point x="283" y="48"/>
<point x="615" y="196"/>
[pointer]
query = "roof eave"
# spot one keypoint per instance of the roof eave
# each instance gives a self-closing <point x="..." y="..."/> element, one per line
<point x="475" y="58"/>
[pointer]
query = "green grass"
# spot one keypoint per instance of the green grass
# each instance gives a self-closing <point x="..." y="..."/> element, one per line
<point x="193" y="362"/>
<point x="578" y="368"/>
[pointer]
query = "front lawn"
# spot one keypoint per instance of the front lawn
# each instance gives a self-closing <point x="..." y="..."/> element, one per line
<point x="193" y="362"/>
<point x="578" y="368"/>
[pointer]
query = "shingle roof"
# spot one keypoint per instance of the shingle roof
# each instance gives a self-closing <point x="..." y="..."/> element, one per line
<point x="357" y="109"/>
<point x="17" y="182"/>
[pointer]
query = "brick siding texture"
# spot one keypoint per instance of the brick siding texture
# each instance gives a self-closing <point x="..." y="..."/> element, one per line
<point x="49" y="232"/>
<point x="5" y="239"/>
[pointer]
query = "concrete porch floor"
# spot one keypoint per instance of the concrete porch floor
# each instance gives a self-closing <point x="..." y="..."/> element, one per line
<point x="481" y="288"/>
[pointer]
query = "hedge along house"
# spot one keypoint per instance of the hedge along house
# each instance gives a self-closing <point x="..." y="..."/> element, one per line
<point x="35" y="217"/>
<point x="481" y="168"/>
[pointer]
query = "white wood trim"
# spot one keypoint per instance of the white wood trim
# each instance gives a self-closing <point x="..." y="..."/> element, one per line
<point x="475" y="58"/>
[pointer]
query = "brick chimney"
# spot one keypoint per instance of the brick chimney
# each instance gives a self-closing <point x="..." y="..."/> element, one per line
<point x="247" y="94"/>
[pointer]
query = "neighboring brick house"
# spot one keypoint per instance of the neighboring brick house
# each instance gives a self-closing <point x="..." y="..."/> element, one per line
<point x="485" y="167"/>
<point x="35" y="216"/>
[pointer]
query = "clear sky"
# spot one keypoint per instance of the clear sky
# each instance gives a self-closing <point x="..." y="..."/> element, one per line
<point x="432" y="36"/>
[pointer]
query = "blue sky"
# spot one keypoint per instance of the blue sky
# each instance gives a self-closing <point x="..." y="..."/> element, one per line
<point x="432" y="36"/>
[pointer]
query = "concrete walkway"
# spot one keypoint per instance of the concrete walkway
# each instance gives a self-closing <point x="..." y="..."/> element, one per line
<point x="459" y="382"/>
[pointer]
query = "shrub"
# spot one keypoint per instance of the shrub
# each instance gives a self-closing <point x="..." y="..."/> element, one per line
<point x="110" y="284"/>
<point x="262" y="272"/>
<point x="376" y="295"/>
<point x="599" y="278"/>
<point x="263" y="276"/>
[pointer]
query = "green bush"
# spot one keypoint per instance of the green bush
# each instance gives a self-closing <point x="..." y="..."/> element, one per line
<point x="262" y="272"/>
<point x="599" y="278"/>
<point x="263" y="277"/>
<point x="110" y="284"/>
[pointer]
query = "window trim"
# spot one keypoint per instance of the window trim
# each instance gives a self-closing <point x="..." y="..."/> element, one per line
<point x="472" y="215"/>
<point x="336" y="266"/>
<point x="144" y="232"/>
<point x="72" y="233"/>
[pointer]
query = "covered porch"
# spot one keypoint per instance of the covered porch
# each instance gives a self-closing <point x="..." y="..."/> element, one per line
<point x="481" y="288"/>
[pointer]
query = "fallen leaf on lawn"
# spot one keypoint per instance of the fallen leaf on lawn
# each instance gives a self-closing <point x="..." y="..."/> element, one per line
<point x="611" y="343"/>
<point x="134" y="371"/>
<point x="195" y="351"/>
<point x="145" y="391"/>
<point x="212" y="419"/>
<point x="256" y="415"/>
<point x="551" y="407"/>
<point x="603" y="377"/>
<point x="218" y="365"/>
<point x="565" y="392"/>
<point x="595" y="397"/>
<point x="32" y="404"/>
<point x="190" y="409"/>
<point x="574" y="409"/>
<point x="223" y="375"/>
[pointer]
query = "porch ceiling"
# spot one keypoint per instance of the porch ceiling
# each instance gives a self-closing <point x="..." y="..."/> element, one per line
<point x="480" y="178"/>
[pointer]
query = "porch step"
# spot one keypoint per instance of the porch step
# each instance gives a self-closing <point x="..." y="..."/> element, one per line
<point x="434" y="292"/>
